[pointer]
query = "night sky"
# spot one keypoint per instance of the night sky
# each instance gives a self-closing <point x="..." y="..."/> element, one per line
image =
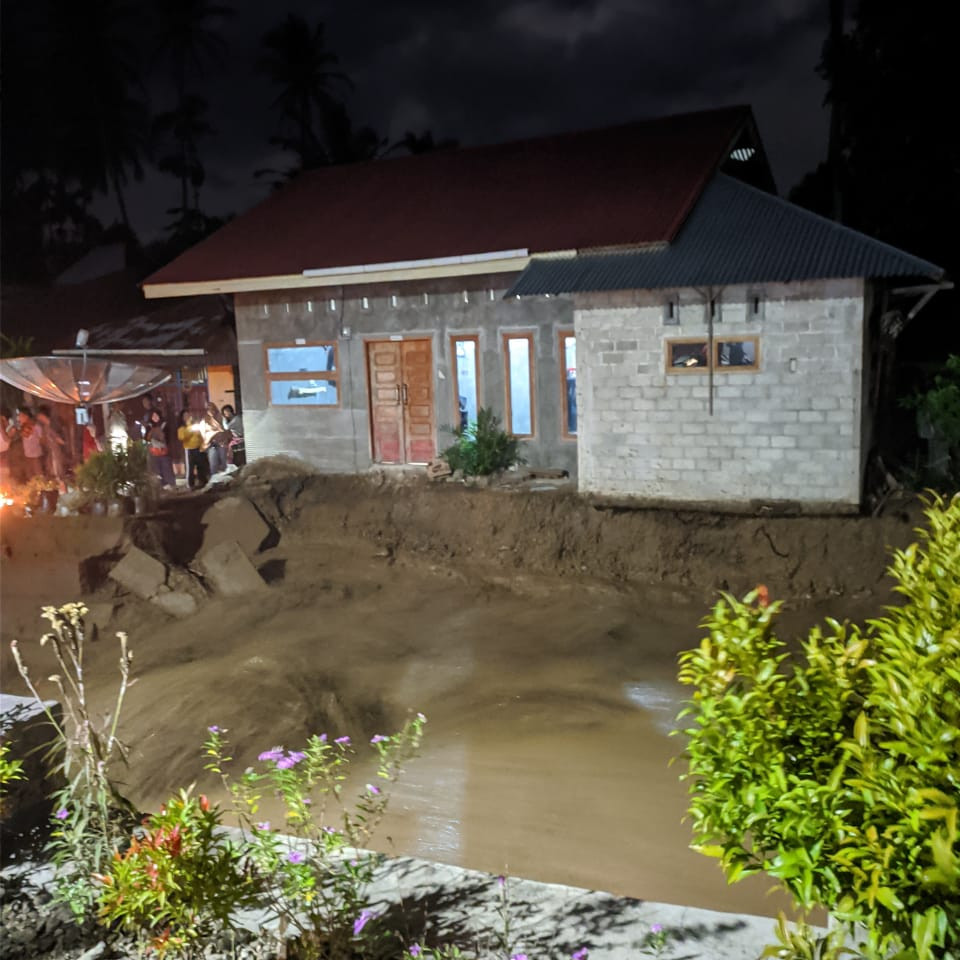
<point x="490" y="71"/>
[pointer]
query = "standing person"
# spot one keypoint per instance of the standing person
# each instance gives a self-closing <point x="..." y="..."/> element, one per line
<point x="91" y="443"/>
<point x="190" y="435"/>
<point x="215" y="439"/>
<point x="233" y="422"/>
<point x="158" y="447"/>
<point x="31" y="438"/>
<point x="54" y="445"/>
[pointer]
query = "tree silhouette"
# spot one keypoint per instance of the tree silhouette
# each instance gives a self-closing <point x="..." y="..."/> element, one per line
<point x="187" y="45"/>
<point x="419" y="143"/>
<point x="295" y="58"/>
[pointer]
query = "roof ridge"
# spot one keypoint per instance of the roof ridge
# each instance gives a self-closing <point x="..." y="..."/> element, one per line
<point x="840" y="228"/>
<point x="742" y="108"/>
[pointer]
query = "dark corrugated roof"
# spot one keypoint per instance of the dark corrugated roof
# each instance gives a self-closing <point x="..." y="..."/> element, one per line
<point x="630" y="184"/>
<point x="735" y="234"/>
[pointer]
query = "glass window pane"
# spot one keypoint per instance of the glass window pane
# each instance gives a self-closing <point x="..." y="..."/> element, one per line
<point x="303" y="392"/>
<point x="570" y="382"/>
<point x="687" y="355"/>
<point x="521" y="406"/>
<point x="301" y="359"/>
<point x="466" y="360"/>
<point x="736" y="353"/>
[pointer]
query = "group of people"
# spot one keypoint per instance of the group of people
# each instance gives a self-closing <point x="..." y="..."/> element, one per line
<point x="34" y="444"/>
<point x="42" y="446"/>
<point x="210" y="442"/>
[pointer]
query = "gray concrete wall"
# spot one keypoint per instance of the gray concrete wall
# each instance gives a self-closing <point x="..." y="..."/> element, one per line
<point x="338" y="439"/>
<point x="789" y="431"/>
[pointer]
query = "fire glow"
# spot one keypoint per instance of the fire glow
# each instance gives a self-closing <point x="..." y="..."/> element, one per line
<point x="6" y="500"/>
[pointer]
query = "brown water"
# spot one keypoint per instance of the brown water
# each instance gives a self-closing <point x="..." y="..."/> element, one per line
<point x="550" y="706"/>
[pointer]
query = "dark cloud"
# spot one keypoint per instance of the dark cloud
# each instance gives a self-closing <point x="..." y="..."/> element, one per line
<point x="489" y="71"/>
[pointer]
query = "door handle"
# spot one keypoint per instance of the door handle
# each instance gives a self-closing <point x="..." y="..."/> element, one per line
<point x="404" y="394"/>
<point x="398" y="394"/>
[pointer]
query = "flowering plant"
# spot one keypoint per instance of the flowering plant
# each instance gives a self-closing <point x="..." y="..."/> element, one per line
<point x="92" y="816"/>
<point x="317" y="884"/>
<point x="179" y="882"/>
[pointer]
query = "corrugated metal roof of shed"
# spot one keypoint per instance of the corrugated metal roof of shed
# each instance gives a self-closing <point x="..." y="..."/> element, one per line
<point x="735" y="234"/>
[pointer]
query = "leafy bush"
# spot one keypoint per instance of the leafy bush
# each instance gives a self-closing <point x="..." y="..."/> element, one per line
<point x="178" y="883"/>
<point x="940" y="405"/>
<point x="836" y="771"/>
<point x="113" y="472"/>
<point x="482" y="447"/>
<point x="92" y="817"/>
<point x="10" y="770"/>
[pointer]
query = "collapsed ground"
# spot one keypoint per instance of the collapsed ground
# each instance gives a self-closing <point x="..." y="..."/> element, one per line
<point x="538" y="631"/>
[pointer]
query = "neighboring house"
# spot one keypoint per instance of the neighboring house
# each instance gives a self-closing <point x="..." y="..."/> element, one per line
<point x="634" y="308"/>
<point x="193" y="337"/>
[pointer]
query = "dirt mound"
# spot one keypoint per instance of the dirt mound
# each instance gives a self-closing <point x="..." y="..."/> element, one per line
<point x="568" y="536"/>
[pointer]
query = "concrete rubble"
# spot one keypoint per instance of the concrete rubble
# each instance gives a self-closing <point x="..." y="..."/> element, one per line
<point x="140" y="574"/>
<point x="229" y="571"/>
<point x="237" y="519"/>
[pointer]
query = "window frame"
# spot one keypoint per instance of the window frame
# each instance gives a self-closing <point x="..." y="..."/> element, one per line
<point x="507" y="383"/>
<point x="332" y="376"/>
<point x="454" y="338"/>
<point x="712" y="361"/>
<point x="563" y="335"/>
<point x="739" y="368"/>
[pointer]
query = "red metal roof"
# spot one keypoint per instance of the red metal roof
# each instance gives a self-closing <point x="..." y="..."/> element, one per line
<point x="631" y="184"/>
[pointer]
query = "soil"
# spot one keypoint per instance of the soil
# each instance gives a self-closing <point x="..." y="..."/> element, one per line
<point x="538" y="632"/>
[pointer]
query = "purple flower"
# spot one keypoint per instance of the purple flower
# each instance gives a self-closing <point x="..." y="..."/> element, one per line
<point x="290" y="760"/>
<point x="656" y="928"/>
<point x="262" y="825"/>
<point x="375" y="790"/>
<point x="501" y="881"/>
<point x="323" y="738"/>
<point x="328" y="830"/>
<point x="580" y="954"/>
<point x="62" y="813"/>
<point x="295" y="856"/>
<point x="343" y="741"/>
<point x="519" y="956"/>
<point x="213" y="728"/>
<point x="414" y="949"/>
<point x="380" y="738"/>
<point x="275" y="754"/>
<point x="365" y="917"/>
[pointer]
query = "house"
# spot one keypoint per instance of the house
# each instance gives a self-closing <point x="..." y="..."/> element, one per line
<point x="192" y="338"/>
<point x="634" y="302"/>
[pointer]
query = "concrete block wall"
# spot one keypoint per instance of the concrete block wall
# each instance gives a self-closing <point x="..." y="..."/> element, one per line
<point x="337" y="439"/>
<point x="789" y="431"/>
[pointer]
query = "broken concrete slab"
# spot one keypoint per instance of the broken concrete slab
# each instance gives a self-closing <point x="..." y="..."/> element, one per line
<point x="234" y="518"/>
<point x="175" y="602"/>
<point x="229" y="571"/>
<point x="140" y="573"/>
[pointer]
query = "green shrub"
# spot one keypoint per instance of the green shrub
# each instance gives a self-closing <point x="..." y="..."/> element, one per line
<point x="836" y="771"/>
<point x="482" y="447"/>
<point x="178" y="883"/>
<point x="940" y="405"/>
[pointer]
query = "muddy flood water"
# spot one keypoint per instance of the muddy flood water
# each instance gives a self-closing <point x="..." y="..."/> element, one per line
<point x="550" y="705"/>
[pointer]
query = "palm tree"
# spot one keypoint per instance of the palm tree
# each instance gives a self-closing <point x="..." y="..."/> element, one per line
<point x="418" y="143"/>
<point x="188" y="44"/>
<point x="296" y="60"/>
<point x="102" y="128"/>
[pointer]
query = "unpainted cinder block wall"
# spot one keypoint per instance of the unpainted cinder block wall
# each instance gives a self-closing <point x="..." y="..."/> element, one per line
<point x="337" y="439"/>
<point x="789" y="431"/>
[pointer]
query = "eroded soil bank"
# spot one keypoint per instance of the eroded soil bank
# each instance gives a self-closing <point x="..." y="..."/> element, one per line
<point x="538" y="632"/>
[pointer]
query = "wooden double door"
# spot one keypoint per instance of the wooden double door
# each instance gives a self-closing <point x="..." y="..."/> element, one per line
<point x="400" y="377"/>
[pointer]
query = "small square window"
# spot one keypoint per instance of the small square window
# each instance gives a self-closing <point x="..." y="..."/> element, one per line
<point x="302" y="374"/>
<point x="687" y="355"/>
<point x="740" y="354"/>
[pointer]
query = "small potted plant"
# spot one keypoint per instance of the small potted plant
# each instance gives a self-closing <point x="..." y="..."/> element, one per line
<point x="137" y="477"/>
<point x="43" y="493"/>
<point x="98" y="479"/>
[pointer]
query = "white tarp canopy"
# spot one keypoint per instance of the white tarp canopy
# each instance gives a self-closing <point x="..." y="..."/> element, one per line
<point x="80" y="380"/>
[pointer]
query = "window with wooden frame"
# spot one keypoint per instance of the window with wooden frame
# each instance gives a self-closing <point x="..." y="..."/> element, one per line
<point x="518" y="356"/>
<point x="730" y="354"/>
<point x="465" y="357"/>
<point x="302" y="374"/>
<point x="568" y="383"/>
